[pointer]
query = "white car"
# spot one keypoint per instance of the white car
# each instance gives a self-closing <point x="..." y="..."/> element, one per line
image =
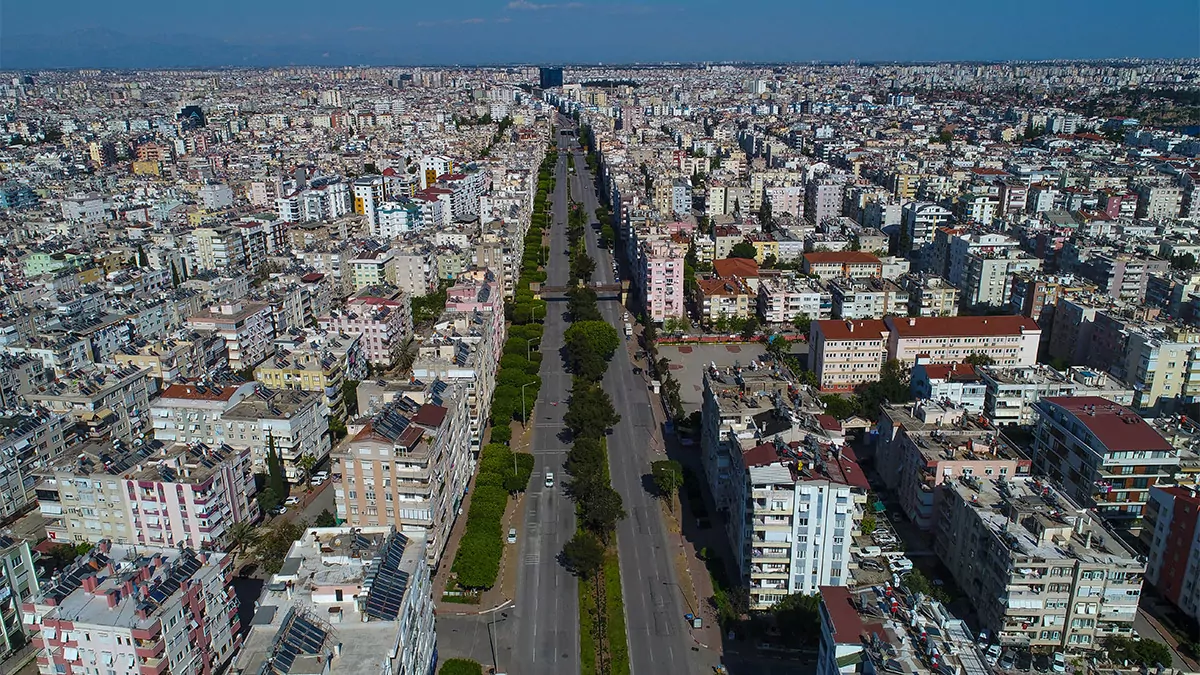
<point x="291" y="501"/>
<point x="316" y="481"/>
<point x="1059" y="665"/>
<point x="549" y="479"/>
<point x="993" y="655"/>
<point x="900" y="564"/>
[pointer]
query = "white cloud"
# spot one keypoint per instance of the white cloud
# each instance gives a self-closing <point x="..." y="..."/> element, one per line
<point x="527" y="5"/>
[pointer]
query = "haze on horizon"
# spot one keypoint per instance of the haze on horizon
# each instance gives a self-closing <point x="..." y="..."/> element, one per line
<point x="144" y="34"/>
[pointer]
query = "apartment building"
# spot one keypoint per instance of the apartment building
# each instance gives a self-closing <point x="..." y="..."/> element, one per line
<point x="866" y="298"/>
<point x="1011" y="392"/>
<point x="166" y="360"/>
<point x="1008" y="340"/>
<point x="1172" y="519"/>
<point x="30" y="439"/>
<point x="953" y="384"/>
<point x="923" y="446"/>
<point x="18" y="585"/>
<point x="729" y="298"/>
<point x="799" y="507"/>
<point x="660" y="278"/>
<point x="919" y="220"/>
<point x="396" y="219"/>
<point x="1120" y="275"/>
<point x="320" y="363"/>
<point x="845" y="354"/>
<point x="371" y="268"/>
<point x="192" y="412"/>
<point x="20" y="375"/>
<point x="383" y="323"/>
<point x="369" y="192"/>
<point x="930" y="295"/>
<point x="462" y="351"/>
<point x="1103" y="455"/>
<point x="154" y="495"/>
<point x="883" y="628"/>
<point x="414" y="270"/>
<point x="408" y="467"/>
<point x="829" y="265"/>
<point x="102" y="401"/>
<point x="137" y="610"/>
<point x="353" y="600"/>
<point x="219" y="249"/>
<point x="247" y="328"/>
<point x="1038" y="569"/>
<point x="293" y="422"/>
<point x="1161" y="362"/>
<point x="1158" y="202"/>
<point x="782" y="298"/>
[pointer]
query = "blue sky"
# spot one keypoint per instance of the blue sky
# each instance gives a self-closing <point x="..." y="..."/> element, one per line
<point x="75" y="33"/>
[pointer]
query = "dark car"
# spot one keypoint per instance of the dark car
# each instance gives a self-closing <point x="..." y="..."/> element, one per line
<point x="1024" y="661"/>
<point x="1007" y="660"/>
<point x="1041" y="663"/>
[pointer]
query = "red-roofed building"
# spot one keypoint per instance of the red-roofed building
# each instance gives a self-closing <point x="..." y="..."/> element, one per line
<point x="956" y="383"/>
<point x="1169" y="529"/>
<point x="842" y="632"/>
<point x="839" y="264"/>
<point x="1103" y="454"/>
<point x="845" y="354"/>
<point x="1009" y="340"/>
<point x="743" y="268"/>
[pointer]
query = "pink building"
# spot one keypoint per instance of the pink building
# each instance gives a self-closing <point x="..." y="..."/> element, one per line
<point x="383" y="324"/>
<point x="660" y="278"/>
<point x="480" y="291"/>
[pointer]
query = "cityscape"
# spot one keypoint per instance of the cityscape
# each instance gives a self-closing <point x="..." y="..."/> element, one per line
<point x="560" y="367"/>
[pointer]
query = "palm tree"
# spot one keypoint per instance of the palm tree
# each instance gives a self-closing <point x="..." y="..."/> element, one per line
<point x="307" y="462"/>
<point x="242" y="536"/>
<point x="406" y="355"/>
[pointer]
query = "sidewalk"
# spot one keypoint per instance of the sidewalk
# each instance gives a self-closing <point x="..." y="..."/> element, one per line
<point x="506" y="581"/>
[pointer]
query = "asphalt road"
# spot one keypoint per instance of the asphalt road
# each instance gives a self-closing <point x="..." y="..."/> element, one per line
<point x="547" y="607"/>
<point x="659" y="639"/>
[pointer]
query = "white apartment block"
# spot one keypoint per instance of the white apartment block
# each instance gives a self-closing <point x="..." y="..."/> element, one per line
<point x="384" y="324"/>
<point x="781" y="299"/>
<point x="247" y="328"/>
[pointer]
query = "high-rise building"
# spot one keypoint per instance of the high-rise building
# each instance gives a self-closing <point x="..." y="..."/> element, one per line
<point x="548" y="78"/>
<point x="1172" y="519"/>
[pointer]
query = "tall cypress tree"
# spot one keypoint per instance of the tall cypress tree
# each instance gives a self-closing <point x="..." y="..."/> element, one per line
<point x="275" y="478"/>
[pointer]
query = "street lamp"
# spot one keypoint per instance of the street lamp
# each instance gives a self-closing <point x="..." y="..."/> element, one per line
<point x="522" y="417"/>
<point x="529" y="343"/>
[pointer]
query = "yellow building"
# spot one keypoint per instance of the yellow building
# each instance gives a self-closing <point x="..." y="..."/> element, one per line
<point x="764" y="247"/>
<point x="147" y="168"/>
<point x="319" y="364"/>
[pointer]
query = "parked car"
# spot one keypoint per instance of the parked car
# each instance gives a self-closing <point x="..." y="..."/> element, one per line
<point x="512" y="535"/>
<point x="900" y="565"/>
<point x="1041" y="663"/>
<point x="869" y="564"/>
<point x="1007" y="660"/>
<point x="871" y="551"/>
<point x="278" y="511"/>
<point x="992" y="655"/>
<point x="291" y="501"/>
<point x="549" y="479"/>
<point x="1024" y="661"/>
<point x="316" y="481"/>
<point x="1059" y="664"/>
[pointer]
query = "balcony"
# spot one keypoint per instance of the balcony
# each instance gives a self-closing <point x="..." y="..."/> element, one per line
<point x="149" y="649"/>
<point x="770" y="554"/>
<point x="155" y="666"/>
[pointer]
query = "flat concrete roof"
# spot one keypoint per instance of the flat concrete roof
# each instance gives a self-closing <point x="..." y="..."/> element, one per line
<point x="689" y="361"/>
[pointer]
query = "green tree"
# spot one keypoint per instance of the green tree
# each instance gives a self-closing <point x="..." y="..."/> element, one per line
<point x="749" y="328"/>
<point x="980" y="359"/>
<point x="590" y="413"/>
<point x="174" y="276"/>
<point x="582" y="266"/>
<point x="143" y="259"/>
<point x="798" y="618"/>
<point x="764" y="215"/>
<point x="276" y="478"/>
<point x="868" y="524"/>
<point x="802" y="323"/>
<point x="839" y="407"/>
<point x="600" y="510"/>
<point x="1149" y="653"/>
<point x="460" y="667"/>
<point x="743" y="249"/>
<point x="892" y="387"/>
<point x="350" y="396"/>
<point x="501" y="434"/>
<point x="584" y="554"/>
<point x="597" y="336"/>
<point x="326" y="519"/>
<point x="274" y="544"/>
<point x="1184" y="262"/>
<point x="268" y="499"/>
<point x="668" y="478"/>
<point x="581" y="303"/>
<point x="242" y="535"/>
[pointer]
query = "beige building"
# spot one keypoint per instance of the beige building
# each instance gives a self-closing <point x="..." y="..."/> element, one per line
<point x="845" y="354"/>
<point x="1008" y="340"/>
<point x="1039" y="570"/>
<point x="293" y="422"/>
<point x="409" y="467"/>
<point x="104" y="401"/>
<point x="731" y="298"/>
<point x="166" y="360"/>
